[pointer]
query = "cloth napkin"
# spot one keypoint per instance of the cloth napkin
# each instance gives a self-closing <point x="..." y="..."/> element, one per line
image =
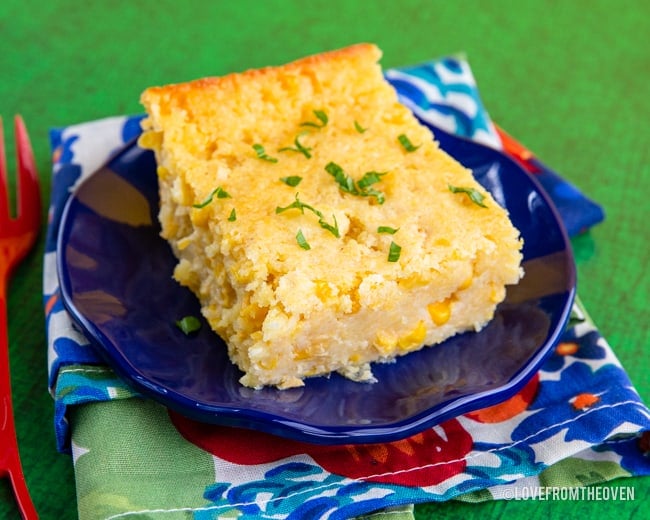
<point x="579" y="421"/>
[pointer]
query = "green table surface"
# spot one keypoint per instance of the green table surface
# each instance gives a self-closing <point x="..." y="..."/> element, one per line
<point x="567" y="78"/>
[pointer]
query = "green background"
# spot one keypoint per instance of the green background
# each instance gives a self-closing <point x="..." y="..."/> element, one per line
<point x="567" y="78"/>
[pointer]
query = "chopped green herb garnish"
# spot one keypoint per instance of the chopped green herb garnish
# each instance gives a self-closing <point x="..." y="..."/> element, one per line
<point x="332" y="228"/>
<point x="474" y="195"/>
<point x="345" y="182"/>
<point x="292" y="181"/>
<point x="407" y="144"/>
<point x="359" y="188"/>
<point x="359" y="128"/>
<point x="233" y="216"/>
<point x="298" y="204"/>
<point x="370" y="178"/>
<point x="298" y="148"/>
<point x="259" y="150"/>
<point x="219" y="192"/>
<point x="387" y="230"/>
<point x="394" y="252"/>
<point x="302" y="241"/>
<point x="322" y="117"/>
<point x="188" y="324"/>
<point x="372" y="192"/>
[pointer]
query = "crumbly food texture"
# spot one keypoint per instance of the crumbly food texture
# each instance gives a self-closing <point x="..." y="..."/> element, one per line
<point x="359" y="262"/>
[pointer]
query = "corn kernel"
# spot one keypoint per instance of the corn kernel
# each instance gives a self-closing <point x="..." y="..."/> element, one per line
<point x="414" y="338"/>
<point x="355" y="304"/>
<point x="354" y="358"/>
<point x="199" y="217"/>
<point x="150" y="139"/>
<point x="183" y="243"/>
<point x="162" y="172"/>
<point x="301" y="355"/>
<point x="385" y="341"/>
<point x="244" y="274"/>
<point x="323" y="290"/>
<point x="466" y="283"/>
<point x="440" y="312"/>
<point x="497" y="294"/>
<point x="183" y="272"/>
<point x="414" y="280"/>
<point x="268" y="364"/>
<point x="253" y="312"/>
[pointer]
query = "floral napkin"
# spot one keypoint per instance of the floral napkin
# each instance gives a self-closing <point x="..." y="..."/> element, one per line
<point x="579" y="421"/>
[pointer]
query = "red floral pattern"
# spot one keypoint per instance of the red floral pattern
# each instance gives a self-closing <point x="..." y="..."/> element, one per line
<point x="510" y="407"/>
<point x="425" y="459"/>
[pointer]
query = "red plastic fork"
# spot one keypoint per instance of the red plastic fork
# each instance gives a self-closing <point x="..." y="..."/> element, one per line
<point x="17" y="236"/>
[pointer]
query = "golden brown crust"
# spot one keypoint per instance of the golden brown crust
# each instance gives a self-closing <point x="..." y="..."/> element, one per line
<point x="357" y="51"/>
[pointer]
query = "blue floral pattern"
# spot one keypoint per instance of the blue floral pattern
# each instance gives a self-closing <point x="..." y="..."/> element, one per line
<point x="557" y="407"/>
<point x="588" y="347"/>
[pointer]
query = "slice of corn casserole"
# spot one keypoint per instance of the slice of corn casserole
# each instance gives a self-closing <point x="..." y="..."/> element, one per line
<point x="318" y="223"/>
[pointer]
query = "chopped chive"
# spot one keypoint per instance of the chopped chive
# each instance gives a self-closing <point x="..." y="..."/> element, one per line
<point x="300" y="148"/>
<point x="372" y="192"/>
<point x="334" y="229"/>
<point x="298" y="204"/>
<point x="387" y="230"/>
<point x="345" y="182"/>
<point x="406" y="143"/>
<point x="360" y="188"/>
<point x="233" y="216"/>
<point x="474" y="195"/>
<point x="302" y="241"/>
<point x="219" y="192"/>
<point x="259" y="150"/>
<point x="394" y="252"/>
<point x="292" y="180"/>
<point x="370" y="178"/>
<point x="359" y="128"/>
<point x="188" y="324"/>
<point x="322" y="117"/>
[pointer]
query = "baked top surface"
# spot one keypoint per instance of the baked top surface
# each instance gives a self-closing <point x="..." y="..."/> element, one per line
<point x="211" y="127"/>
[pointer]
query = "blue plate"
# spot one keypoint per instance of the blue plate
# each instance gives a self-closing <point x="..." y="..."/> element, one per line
<point x="115" y="275"/>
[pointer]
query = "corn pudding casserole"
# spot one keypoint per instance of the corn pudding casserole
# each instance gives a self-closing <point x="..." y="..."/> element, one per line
<point x="318" y="222"/>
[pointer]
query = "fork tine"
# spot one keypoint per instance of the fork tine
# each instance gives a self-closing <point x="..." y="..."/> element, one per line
<point x="4" y="196"/>
<point x="29" y="194"/>
<point x="18" y="236"/>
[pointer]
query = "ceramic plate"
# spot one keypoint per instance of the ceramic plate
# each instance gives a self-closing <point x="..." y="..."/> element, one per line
<point x="115" y="274"/>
